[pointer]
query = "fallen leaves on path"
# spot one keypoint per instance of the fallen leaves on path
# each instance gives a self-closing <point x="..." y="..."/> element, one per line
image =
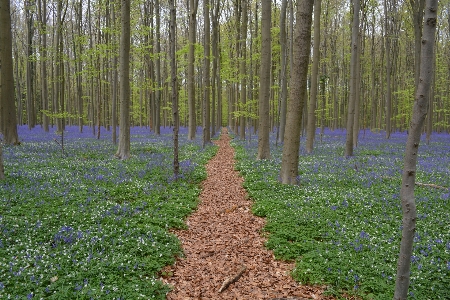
<point x="223" y="242"/>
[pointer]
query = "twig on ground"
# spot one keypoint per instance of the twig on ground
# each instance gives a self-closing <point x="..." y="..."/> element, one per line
<point x="432" y="185"/>
<point x="232" y="279"/>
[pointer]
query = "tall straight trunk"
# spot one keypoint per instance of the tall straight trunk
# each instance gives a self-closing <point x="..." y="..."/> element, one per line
<point x="264" y="86"/>
<point x="243" y="68"/>
<point x="373" y="118"/>
<point x="8" y="121"/>
<point x="57" y="66"/>
<point x="420" y="110"/>
<point x="215" y="53"/>
<point x="79" y="66"/>
<point x="174" y="86"/>
<point x="123" y="151"/>
<point x="311" y="122"/>
<point x="297" y="92"/>
<point x="115" y="80"/>
<point x="431" y="104"/>
<point x="353" y="80"/>
<point x="207" y="76"/>
<point x="357" y="94"/>
<point x="388" y="51"/>
<point x="157" y="121"/>
<point x="42" y="6"/>
<point x="193" y="4"/>
<point x="31" y="118"/>
<point x="417" y="18"/>
<point x="283" y="79"/>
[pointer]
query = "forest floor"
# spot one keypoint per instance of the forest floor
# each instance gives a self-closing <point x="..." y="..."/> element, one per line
<point x="225" y="257"/>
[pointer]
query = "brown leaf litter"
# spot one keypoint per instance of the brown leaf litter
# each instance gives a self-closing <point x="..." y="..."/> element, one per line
<point x="225" y="257"/>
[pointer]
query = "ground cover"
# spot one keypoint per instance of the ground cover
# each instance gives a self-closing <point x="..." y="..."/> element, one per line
<point x="86" y="225"/>
<point x="342" y="224"/>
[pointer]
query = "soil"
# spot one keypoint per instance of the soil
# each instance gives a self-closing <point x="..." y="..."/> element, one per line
<point x="225" y="257"/>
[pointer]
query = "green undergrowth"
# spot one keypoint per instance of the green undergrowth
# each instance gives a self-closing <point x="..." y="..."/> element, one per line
<point x="342" y="223"/>
<point x="89" y="226"/>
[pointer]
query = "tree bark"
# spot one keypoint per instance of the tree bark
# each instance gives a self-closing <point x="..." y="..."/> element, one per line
<point x="42" y="6"/>
<point x="174" y="86"/>
<point x="123" y="151"/>
<point x="243" y="69"/>
<point x="207" y="76"/>
<point x="264" y="86"/>
<point x="311" y="122"/>
<point x="420" y="109"/>
<point x="157" y="119"/>
<point x="284" y="90"/>
<point x="353" y="80"/>
<point x="297" y="92"/>
<point x="31" y="117"/>
<point x="193" y="4"/>
<point x="8" y="125"/>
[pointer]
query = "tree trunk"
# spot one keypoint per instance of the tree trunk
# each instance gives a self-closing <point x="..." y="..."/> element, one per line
<point x="353" y="80"/>
<point x="297" y="92"/>
<point x="311" y="122"/>
<point x="174" y="86"/>
<point x="42" y="6"/>
<point x="193" y="4"/>
<point x="31" y="118"/>
<point x="114" y="82"/>
<point x="157" y="119"/>
<point x="243" y="69"/>
<point x="417" y="17"/>
<point x="8" y="125"/>
<point x="207" y="76"/>
<point x="284" y="90"/>
<point x="123" y="151"/>
<point x="264" y="86"/>
<point x="410" y="161"/>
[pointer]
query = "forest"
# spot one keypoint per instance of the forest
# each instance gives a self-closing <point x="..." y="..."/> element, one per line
<point x="110" y="112"/>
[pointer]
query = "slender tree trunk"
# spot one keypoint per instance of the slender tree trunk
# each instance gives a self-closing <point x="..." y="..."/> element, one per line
<point x="264" y="87"/>
<point x="311" y="122"/>
<point x="410" y="161"/>
<point x="174" y="85"/>
<point x="297" y="92"/>
<point x="353" y="80"/>
<point x="123" y="151"/>
<point x="357" y="94"/>
<point x="207" y="77"/>
<point x="157" y="120"/>
<point x="243" y="68"/>
<point x="30" y="76"/>
<point x="115" y="80"/>
<point x="42" y="6"/>
<point x="284" y="90"/>
<point x="417" y="17"/>
<point x="8" y="121"/>
<point x="193" y="4"/>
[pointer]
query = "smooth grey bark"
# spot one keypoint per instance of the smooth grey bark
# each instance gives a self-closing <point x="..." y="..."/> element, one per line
<point x="8" y="125"/>
<point x="387" y="43"/>
<point x="206" y="75"/>
<point x="264" y="86"/>
<point x="123" y="151"/>
<point x="193" y="4"/>
<point x="419" y="113"/>
<point x="417" y="18"/>
<point x="283" y="73"/>
<point x="115" y="82"/>
<point x="311" y="121"/>
<point x="42" y="8"/>
<point x="2" y="169"/>
<point x="357" y="94"/>
<point x="353" y="80"/>
<point x="157" y="119"/>
<point x="31" y="114"/>
<point x="215" y="91"/>
<point x="174" y="85"/>
<point x="297" y="92"/>
<point x="243" y="68"/>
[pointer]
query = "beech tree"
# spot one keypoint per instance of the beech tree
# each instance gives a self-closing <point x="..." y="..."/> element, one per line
<point x="174" y="85"/>
<point x="264" y="86"/>
<point x="297" y="92"/>
<point x="420" y="110"/>
<point x="206" y="75"/>
<point x="123" y="151"/>
<point x="8" y="121"/>
<point x="193" y="4"/>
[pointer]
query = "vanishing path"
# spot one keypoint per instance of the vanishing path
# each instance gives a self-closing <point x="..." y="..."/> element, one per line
<point x="223" y="239"/>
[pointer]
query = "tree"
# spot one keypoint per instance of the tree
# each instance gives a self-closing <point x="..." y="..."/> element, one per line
<point x="193" y="4"/>
<point x="174" y="85"/>
<point x="123" y="151"/>
<point x="243" y="68"/>
<point x="353" y="80"/>
<point x="157" y="120"/>
<point x="8" y="125"/>
<point x="2" y="170"/>
<point x="283" y="79"/>
<point x="264" y="85"/>
<point x="420" y="110"/>
<point x="297" y="92"/>
<point x="311" y="122"/>
<point x="207" y="76"/>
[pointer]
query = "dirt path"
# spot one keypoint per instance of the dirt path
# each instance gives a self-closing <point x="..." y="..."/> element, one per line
<point x="224" y="240"/>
